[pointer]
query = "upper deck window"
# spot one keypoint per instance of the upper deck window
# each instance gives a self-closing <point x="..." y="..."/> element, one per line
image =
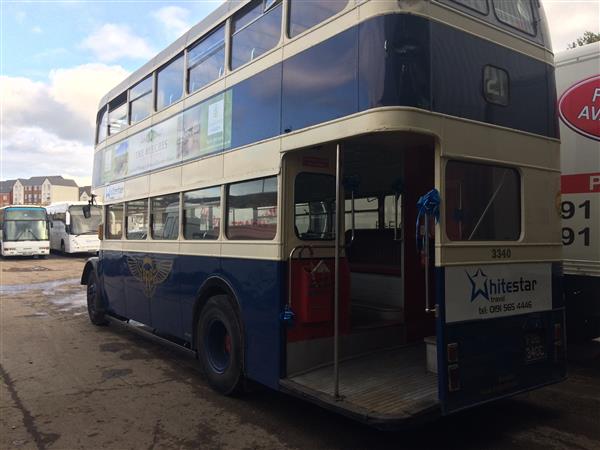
<point x="140" y="100"/>
<point x="476" y="5"/>
<point x="206" y="60"/>
<point x="306" y="14"/>
<point x="102" y="125"/>
<point x="117" y="114"/>
<point x="256" y="29"/>
<point x="252" y="209"/>
<point x="516" y="13"/>
<point x="169" y="83"/>
<point x="483" y="202"/>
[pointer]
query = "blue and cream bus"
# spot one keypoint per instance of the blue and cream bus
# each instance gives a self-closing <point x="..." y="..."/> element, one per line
<point x="354" y="202"/>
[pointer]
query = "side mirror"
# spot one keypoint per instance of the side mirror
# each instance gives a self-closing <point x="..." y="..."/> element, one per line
<point x="101" y="231"/>
<point x="87" y="211"/>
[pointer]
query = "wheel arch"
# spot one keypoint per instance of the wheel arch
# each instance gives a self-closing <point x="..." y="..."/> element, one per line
<point x="212" y="286"/>
<point x="90" y="265"/>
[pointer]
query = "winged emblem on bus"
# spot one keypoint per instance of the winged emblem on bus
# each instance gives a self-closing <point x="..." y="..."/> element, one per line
<point x="150" y="272"/>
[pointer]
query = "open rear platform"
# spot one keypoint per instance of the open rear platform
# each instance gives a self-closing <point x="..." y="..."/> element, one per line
<point x="384" y="388"/>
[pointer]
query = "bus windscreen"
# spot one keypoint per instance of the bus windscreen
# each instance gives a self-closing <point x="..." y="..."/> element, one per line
<point x="24" y="224"/>
<point x="81" y="225"/>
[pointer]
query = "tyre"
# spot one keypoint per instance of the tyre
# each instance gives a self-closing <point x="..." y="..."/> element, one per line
<point x="219" y="344"/>
<point x="94" y="301"/>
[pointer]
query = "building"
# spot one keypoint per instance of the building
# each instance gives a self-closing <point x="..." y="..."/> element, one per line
<point x="85" y="193"/>
<point x="42" y="190"/>
<point x="6" y="192"/>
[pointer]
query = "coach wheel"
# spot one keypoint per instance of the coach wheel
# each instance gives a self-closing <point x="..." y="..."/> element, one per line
<point x="220" y="345"/>
<point x="94" y="301"/>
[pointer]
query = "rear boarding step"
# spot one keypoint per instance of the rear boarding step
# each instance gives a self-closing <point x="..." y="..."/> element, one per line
<point x="388" y="389"/>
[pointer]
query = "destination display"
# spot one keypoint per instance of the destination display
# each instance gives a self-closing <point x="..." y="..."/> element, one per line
<point x="200" y="131"/>
<point x="490" y="291"/>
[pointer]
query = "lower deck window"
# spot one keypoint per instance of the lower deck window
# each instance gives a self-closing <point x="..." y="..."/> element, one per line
<point x="165" y="217"/>
<point x="366" y="213"/>
<point x="252" y="209"/>
<point x="136" y="223"/>
<point x="483" y="202"/>
<point x="202" y="214"/>
<point x="114" y="221"/>
<point x="314" y="200"/>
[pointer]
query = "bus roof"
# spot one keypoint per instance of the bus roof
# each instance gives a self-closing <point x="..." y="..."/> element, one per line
<point x="573" y="55"/>
<point x="22" y="207"/>
<point x="193" y="34"/>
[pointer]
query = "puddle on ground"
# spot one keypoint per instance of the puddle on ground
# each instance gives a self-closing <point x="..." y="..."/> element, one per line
<point x="66" y="295"/>
<point x="73" y="301"/>
<point x="49" y="287"/>
<point x="26" y="269"/>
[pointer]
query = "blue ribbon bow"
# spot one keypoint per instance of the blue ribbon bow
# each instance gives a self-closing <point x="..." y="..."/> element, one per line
<point x="428" y="204"/>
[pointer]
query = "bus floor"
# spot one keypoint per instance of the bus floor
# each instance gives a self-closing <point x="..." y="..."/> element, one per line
<point x="387" y="385"/>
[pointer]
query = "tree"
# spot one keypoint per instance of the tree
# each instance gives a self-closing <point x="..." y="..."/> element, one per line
<point x="587" y="38"/>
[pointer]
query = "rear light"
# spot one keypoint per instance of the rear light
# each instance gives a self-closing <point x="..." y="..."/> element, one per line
<point x="453" y="378"/>
<point x="557" y="332"/>
<point x="452" y="352"/>
<point x="558" y="341"/>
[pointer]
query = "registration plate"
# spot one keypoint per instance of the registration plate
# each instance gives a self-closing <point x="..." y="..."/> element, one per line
<point x="535" y="350"/>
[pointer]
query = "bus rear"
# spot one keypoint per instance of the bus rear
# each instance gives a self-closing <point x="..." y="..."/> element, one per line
<point x="24" y="231"/>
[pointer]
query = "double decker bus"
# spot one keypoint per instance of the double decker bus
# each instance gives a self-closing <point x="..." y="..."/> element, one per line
<point x="24" y="231"/>
<point x="72" y="230"/>
<point x="353" y="202"/>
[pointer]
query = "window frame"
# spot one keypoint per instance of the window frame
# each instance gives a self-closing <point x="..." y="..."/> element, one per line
<point x="151" y="220"/>
<point x="221" y="209"/>
<point x="470" y="8"/>
<point x="534" y="20"/>
<point x="121" y="100"/>
<point x="156" y="74"/>
<point x="227" y="205"/>
<point x="520" y="183"/>
<point x="288" y="21"/>
<point x="100" y="116"/>
<point x="294" y="204"/>
<point x="132" y="99"/>
<point x="126" y="219"/>
<point x="265" y="10"/>
<point x="214" y="49"/>
<point x="107" y="222"/>
<point x="357" y="212"/>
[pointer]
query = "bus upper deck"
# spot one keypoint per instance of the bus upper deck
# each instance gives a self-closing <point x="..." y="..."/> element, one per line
<point x="325" y="202"/>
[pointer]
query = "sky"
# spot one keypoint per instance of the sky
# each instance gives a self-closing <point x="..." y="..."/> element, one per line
<point x="57" y="59"/>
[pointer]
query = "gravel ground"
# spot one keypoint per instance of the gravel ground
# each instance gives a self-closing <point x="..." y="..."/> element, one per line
<point x="67" y="384"/>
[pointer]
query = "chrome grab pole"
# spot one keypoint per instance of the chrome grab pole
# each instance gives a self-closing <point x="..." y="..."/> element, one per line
<point x="336" y="294"/>
<point x="428" y="307"/>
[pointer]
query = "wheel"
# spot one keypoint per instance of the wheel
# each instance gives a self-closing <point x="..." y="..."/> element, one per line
<point x="94" y="301"/>
<point x="219" y="344"/>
